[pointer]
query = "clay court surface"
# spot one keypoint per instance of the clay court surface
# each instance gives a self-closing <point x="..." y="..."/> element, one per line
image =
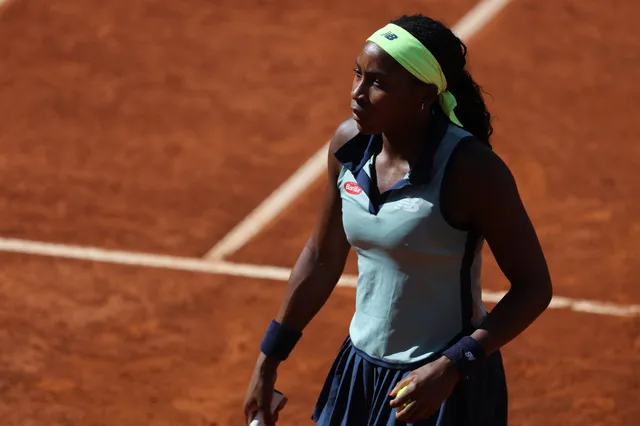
<point x="156" y="127"/>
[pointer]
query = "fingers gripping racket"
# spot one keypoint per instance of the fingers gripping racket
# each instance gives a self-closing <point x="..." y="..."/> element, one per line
<point x="278" y="402"/>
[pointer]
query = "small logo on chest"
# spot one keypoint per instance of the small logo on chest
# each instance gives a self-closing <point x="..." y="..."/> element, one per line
<point x="352" y="188"/>
<point x="409" y="204"/>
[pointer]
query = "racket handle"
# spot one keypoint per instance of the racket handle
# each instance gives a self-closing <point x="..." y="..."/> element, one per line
<point x="277" y="402"/>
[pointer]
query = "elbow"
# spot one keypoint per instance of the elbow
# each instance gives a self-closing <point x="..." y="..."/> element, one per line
<point x="536" y="294"/>
<point x="544" y="294"/>
<point x="331" y="268"/>
<point x="328" y="263"/>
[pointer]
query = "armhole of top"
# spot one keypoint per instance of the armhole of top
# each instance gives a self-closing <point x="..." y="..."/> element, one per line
<point x="446" y="182"/>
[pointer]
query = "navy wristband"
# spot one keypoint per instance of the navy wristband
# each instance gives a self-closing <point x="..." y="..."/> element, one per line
<point x="279" y="341"/>
<point x="465" y="355"/>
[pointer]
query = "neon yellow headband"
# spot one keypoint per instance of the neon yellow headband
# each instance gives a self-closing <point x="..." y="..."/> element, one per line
<point x="418" y="60"/>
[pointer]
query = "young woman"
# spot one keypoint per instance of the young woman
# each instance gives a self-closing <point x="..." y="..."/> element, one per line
<point x="415" y="189"/>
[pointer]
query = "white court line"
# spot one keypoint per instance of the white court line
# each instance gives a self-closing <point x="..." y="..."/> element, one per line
<point x="291" y="189"/>
<point x="256" y="271"/>
<point x="271" y="207"/>
<point x="477" y="17"/>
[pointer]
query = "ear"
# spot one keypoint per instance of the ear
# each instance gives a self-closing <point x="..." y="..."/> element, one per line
<point x="429" y="95"/>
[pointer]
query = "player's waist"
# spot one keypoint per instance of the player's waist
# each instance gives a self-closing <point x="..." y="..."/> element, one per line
<point x="401" y="361"/>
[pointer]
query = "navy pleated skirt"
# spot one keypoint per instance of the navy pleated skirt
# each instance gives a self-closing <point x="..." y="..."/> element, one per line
<point x="356" y="393"/>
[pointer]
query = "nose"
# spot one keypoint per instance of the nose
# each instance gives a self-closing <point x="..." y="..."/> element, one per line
<point x="359" y="91"/>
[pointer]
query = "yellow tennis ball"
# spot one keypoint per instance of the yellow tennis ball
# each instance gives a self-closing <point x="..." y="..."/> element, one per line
<point x="400" y="392"/>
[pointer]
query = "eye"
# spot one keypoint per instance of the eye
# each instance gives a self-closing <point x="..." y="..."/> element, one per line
<point x="357" y="72"/>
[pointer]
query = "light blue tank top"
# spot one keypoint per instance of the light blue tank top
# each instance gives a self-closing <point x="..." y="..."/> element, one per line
<point x="418" y="277"/>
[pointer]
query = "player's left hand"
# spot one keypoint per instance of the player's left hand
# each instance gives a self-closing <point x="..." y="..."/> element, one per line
<point x="426" y="389"/>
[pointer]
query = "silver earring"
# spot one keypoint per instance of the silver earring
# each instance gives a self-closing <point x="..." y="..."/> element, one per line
<point x="423" y="106"/>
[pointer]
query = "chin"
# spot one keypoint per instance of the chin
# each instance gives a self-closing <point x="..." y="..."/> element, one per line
<point x="366" y="128"/>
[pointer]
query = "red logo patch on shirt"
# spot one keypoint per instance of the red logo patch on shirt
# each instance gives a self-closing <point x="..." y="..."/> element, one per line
<point x="352" y="188"/>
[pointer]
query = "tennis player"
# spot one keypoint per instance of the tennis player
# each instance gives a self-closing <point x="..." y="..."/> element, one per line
<point x="416" y="190"/>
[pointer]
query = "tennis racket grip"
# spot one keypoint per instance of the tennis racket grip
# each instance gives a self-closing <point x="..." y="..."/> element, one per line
<point x="277" y="403"/>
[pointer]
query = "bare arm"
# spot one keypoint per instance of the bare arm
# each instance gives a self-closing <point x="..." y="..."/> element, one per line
<point x="486" y="199"/>
<point x="323" y="257"/>
<point x="496" y="210"/>
<point x="321" y="262"/>
<point x="311" y="282"/>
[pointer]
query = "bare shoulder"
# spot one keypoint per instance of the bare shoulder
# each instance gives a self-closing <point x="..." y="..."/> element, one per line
<point x="479" y="173"/>
<point x="475" y="160"/>
<point x="477" y="183"/>
<point x="344" y="132"/>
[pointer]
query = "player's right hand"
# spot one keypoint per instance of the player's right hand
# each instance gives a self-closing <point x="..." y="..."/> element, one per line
<point x="260" y="391"/>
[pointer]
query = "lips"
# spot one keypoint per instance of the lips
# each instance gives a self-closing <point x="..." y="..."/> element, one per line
<point x="357" y="112"/>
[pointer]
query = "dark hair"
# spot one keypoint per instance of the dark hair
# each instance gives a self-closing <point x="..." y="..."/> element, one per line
<point x="451" y="53"/>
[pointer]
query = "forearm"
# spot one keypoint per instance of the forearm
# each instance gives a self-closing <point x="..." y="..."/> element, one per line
<point x="513" y="314"/>
<point x="309" y="287"/>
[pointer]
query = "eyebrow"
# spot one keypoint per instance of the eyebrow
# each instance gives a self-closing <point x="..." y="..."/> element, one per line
<point x="375" y="72"/>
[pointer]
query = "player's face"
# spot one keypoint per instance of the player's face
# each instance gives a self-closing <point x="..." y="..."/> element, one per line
<point x="385" y="96"/>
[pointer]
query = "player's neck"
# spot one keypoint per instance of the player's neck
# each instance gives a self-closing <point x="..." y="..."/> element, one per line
<point x="405" y="143"/>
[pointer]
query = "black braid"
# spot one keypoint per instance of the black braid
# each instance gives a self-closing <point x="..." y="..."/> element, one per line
<point x="451" y="53"/>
